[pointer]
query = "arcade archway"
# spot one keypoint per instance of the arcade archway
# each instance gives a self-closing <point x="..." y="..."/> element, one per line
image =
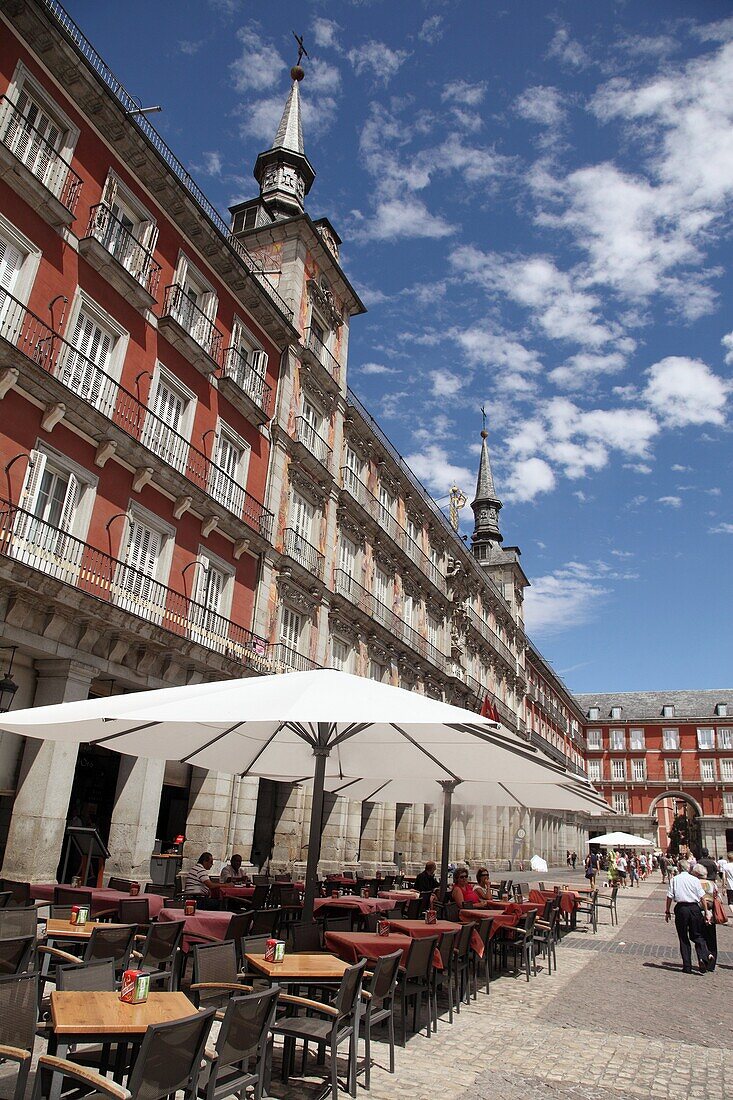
<point x="677" y="816"/>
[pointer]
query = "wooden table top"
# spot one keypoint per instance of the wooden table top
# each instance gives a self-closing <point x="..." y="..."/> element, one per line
<point x="58" y="929"/>
<point x="91" y="1013"/>
<point x="302" y="965"/>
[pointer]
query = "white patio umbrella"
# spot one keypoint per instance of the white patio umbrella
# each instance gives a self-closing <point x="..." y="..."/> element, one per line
<point x="324" y="724"/>
<point x="628" y="840"/>
<point x="537" y="863"/>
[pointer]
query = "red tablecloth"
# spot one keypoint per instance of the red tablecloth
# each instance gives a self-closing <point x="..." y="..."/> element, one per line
<point x="399" y="895"/>
<point x="101" y="897"/>
<point x="340" y="880"/>
<point x="225" y="890"/>
<point x="352" y="946"/>
<point x="418" y="929"/>
<point x="203" y="923"/>
<point x="498" y="919"/>
<point x="569" y="900"/>
<point x="520" y="907"/>
<point x="364" y="905"/>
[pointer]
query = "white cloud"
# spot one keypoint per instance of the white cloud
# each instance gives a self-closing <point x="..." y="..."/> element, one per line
<point x="377" y="59"/>
<point x="376" y="368"/>
<point x="670" y="502"/>
<point x="460" y="91"/>
<point x="541" y="104"/>
<point x="528" y="478"/>
<point x="211" y="165"/>
<point x="685" y="391"/>
<point x="445" y="384"/>
<point x="190" y="48"/>
<point x="432" y="30"/>
<point x="727" y="343"/>
<point x="259" y="65"/>
<point x="722" y="529"/>
<point x="325" y="33"/>
<point x="577" y="372"/>
<point x="570" y="596"/>
<point x="396" y="218"/>
<point x="436" y="471"/>
<point x="323" y="78"/>
<point x="567" y="50"/>
<point x="681" y="469"/>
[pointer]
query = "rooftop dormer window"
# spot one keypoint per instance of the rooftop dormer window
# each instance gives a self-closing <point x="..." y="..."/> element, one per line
<point x="594" y="713"/>
<point x="721" y="710"/>
<point x="668" y="710"/>
<point x="615" y="712"/>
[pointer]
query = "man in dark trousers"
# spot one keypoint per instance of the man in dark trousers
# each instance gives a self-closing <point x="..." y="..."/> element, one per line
<point x="709" y="864"/>
<point x="685" y="891"/>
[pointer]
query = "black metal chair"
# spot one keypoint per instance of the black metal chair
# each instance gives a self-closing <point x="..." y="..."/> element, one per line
<point x="18" y="1018"/>
<point x="134" y="911"/>
<point x="520" y="941"/>
<point x="122" y="884"/>
<point x="463" y="966"/>
<point x="415" y="980"/>
<point x="87" y="977"/>
<point x="244" y="1037"/>
<point x="338" y="1023"/>
<point x="484" y="928"/>
<point x="260" y="896"/>
<point x="306" y="937"/>
<point x="106" y="942"/>
<point x="16" y="954"/>
<point x="446" y="978"/>
<point x="18" y="921"/>
<point x="589" y="909"/>
<point x="216" y="975"/>
<point x="337" y="919"/>
<point x="169" y="1061"/>
<point x="240" y="925"/>
<point x="283" y="878"/>
<point x="545" y="936"/>
<point x="68" y="895"/>
<point x="609" y="903"/>
<point x="379" y="998"/>
<point x="265" y="921"/>
<point x="160" y="954"/>
<point x="20" y="891"/>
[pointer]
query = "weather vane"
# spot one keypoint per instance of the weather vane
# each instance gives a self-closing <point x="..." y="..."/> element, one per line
<point x="483" y="418"/>
<point x="301" y="48"/>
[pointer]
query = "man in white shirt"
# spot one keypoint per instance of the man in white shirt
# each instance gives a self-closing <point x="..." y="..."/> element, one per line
<point x="686" y="892"/>
<point x="198" y="883"/>
<point x="726" y="871"/>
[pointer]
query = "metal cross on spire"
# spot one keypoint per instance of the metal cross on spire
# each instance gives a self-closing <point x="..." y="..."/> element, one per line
<point x="483" y="418"/>
<point x="302" y="52"/>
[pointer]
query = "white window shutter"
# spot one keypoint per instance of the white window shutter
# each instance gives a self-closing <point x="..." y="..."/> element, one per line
<point x="110" y="190"/>
<point x="202" y="570"/>
<point x="11" y="260"/>
<point x="68" y="511"/>
<point x="259" y="362"/>
<point x="29" y="494"/>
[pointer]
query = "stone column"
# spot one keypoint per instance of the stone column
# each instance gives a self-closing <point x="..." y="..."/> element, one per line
<point x="431" y="833"/>
<point x="389" y="820"/>
<point x="288" y="827"/>
<point x="134" y="817"/>
<point x="458" y="834"/>
<point x="371" y="839"/>
<point x="415" y="850"/>
<point x="242" y="824"/>
<point x="209" y="807"/>
<point x="41" y="806"/>
<point x="403" y="832"/>
<point x="478" y="834"/>
<point x="353" y="830"/>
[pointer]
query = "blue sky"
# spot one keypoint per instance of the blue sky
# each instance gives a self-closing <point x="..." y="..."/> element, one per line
<point x="535" y="201"/>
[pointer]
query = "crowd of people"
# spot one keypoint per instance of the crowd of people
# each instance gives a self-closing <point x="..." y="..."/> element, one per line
<point x="622" y="868"/>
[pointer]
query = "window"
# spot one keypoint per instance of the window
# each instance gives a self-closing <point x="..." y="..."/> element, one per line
<point x="340" y="654"/>
<point x="408" y="609"/>
<point x="670" y="739"/>
<point x="621" y="802"/>
<point x="707" y="770"/>
<point x="617" y="740"/>
<point x="668" y="710"/>
<point x="386" y="500"/>
<point x="721" y="710"/>
<point x="595" y="739"/>
<point x="228" y="474"/>
<point x="413" y="530"/>
<point x="728" y="804"/>
<point x="141" y="565"/>
<point x="38" y="132"/>
<point x="383" y="587"/>
<point x="291" y="627"/>
<point x="594" y="771"/>
<point x="318" y="330"/>
<point x="594" y="713"/>
<point x="347" y="556"/>
<point x="616" y="712"/>
<point x="672" y="770"/>
<point x="434" y="555"/>
<point x="725" y="738"/>
<point x="638" y="770"/>
<point x="636" y="740"/>
<point x="377" y="670"/>
<point x="618" y="770"/>
<point x="11" y="261"/>
<point x="130" y="234"/>
<point x="433" y="631"/>
<point x="706" y="739"/>
<point x="169" y="420"/>
<point x="301" y="516"/>
<point x="212" y="601"/>
<point x="53" y="490"/>
<point x="311" y="429"/>
<point x="726" y="769"/>
<point x="101" y="344"/>
<point x="193" y="303"/>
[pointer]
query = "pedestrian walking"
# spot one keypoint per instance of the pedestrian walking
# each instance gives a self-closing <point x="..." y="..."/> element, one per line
<point x="663" y="866"/>
<point x="687" y="894"/>
<point x="709" y="930"/>
<point x="573" y="858"/>
<point x="726" y="873"/>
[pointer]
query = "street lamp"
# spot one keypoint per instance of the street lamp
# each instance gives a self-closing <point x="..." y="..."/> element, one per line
<point x="8" y="686"/>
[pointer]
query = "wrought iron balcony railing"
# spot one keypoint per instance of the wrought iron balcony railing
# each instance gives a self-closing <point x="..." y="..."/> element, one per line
<point x="29" y="335"/>
<point x="317" y="348"/>
<point x="32" y="148"/>
<point x="193" y="320"/>
<point x="296" y="547"/>
<point x="33" y="542"/>
<point x="346" y="586"/>
<point x="491" y="637"/>
<point x="283" y="658"/>
<point x="126" y="249"/>
<point x="314" y="443"/>
<point x="374" y="507"/>
<point x="237" y="366"/>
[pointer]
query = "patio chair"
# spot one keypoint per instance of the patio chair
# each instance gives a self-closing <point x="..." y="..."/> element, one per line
<point x="16" y="953"/>
<point x="283" y="878"/>
<point x="379" y="999"/>
<point x="253" y="945"/>
<point x="122" y="884"/>
<point x="134" y="911"/>
<point x="6" y="898"/>
<point x="545" y="935"/>
<point x="463" y="966"/>
<point x="590" y="909"/>
<point x="19" y="921"/>
<point x="520" y="941"/>
<point x="244" y="1037"/>
<point x="265" y="921"/>
<point x="447" y="976"/>
<point x="240" y="925"/>
<point x="113" y="942"/>
<point x="169" y="1061"/>
<point x="67" y="895"/>
<point x="215" y="974"/>
<point x="159" y="953"/>
<point x="59" y="912"/>
<point x="259" y="898"/>
<point x="21" y="892"/>
<point x="337" y="920"/>
<point x="306" y="937"/>
<point x="483" y="930"/>
<point x="18" y="1016"/>
<point x="415" y="980"/>
<point x="609" y="903"/>
<point x="88" y="977"/>
<point x="259" y="880"/>
<point x="338" y="1023"/>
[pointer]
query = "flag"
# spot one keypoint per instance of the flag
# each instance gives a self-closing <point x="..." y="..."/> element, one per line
<point x="488" y="710"/>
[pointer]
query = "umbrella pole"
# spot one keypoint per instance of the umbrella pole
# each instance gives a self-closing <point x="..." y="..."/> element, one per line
<point x="448" y="787"/>
<point x="316" y="824"/>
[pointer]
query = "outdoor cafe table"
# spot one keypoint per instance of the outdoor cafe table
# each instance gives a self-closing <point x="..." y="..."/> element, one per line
<point x="353" y="946"/>
<point x="521" y="907"/>
<point x="100" y="897"/>
<point x="64" y="930"/>
<point x="399" y="895"/>
<point x="569" y="899"/>
<point x="229" y="890"/>
<point x="299" y="968"/>
<point x="498" y="919"/>
<point x="419" y="929"/>
<point x="211" y="923"/>
<point x="353" y="901"/>
<point x="95" y="1017"/>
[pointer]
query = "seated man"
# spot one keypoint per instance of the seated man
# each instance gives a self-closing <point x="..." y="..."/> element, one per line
<point x="232" y="871"/>
<point x="426" y="881"/>
<point x="197" y="884"/>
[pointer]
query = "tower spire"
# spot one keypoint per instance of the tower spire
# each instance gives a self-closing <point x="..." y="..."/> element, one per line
<point x="486" y="505"/>
<point x="283" y="171"/>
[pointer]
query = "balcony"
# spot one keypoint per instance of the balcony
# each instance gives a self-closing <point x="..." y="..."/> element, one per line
<point x="306" y="556"/>
<point x="316" y="351"/>
<point x="378" y="612"/>
<point x="281" y="658"/>
<point x="558" y="755"/>
<point x="387" y="523"/>
<point x="35" y="169"/>
<point x="113" y="251"/>
<point x="313" y="449"/>
<point x="98" y="405"/>
<point x="38" y="545"/>
<point x="245" y="387"/>
<point x="484" y="630"/>
<point x="190" y="331"/>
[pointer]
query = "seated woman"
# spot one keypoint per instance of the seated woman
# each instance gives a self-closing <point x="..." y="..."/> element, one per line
<point x="483" y="886"/>
<point x="464" y="892"/>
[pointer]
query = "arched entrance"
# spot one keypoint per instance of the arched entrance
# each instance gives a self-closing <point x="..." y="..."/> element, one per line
<point x="677" y="816"/>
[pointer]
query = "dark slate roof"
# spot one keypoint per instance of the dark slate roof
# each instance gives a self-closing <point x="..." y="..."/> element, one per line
<point x="648" y="704"/>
